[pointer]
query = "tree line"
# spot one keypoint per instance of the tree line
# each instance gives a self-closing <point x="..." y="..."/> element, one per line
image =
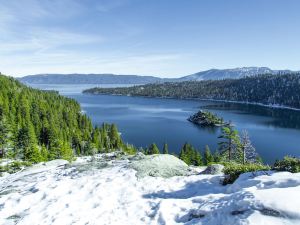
<point x="232" y="147"/>
<point x="42" y="125"/>
<point x="282" y="89"/>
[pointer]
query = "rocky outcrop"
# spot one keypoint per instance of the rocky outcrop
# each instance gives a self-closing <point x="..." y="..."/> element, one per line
<point x="161" y="165"/>
<point x="213" y="169"/>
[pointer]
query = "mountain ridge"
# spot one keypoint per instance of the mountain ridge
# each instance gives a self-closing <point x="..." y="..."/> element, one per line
<point x="107" y="78"/>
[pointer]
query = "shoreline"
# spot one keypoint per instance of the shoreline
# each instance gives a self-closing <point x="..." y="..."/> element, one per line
<point x="207" y="99"/>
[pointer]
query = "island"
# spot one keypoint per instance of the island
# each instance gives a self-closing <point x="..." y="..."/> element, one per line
<point x="206" y="119"/>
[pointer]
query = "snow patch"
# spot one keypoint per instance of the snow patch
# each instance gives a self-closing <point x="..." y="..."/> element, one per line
<point x="85" y="192"/>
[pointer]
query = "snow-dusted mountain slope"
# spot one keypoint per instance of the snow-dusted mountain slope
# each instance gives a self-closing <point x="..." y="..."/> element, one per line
<point x="218" y="74"/>
<point x="213" y="74"/>
<point x="110" y="193"/>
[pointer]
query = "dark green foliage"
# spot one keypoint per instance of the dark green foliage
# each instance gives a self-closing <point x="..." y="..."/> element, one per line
<point x="14" y="167"/>
<point x="129" y="149"/>
<point x="190" y="155"/>
<point x="234" y="170"/>
<point x="42" y="125"/>
<point x="206" y="118"/>
<point x="114" y="137"/>
<point x="290" y="164"/>
<point x="283" y="89"/>
<point x="208" y="157"/>
<point x="165" y="149"/>
<point x="230" y="145"/>
<point x="153" y="149"/>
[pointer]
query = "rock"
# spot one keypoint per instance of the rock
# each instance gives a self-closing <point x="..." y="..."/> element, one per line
<point x="138" y="156"/>
<point x="213" y="169"/>
<point x="161" y="165"/>
<point x="56" y="163"/>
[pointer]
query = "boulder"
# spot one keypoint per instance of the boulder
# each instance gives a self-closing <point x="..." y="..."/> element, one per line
<point x="160" y="165"/>
<point x="213" y="169"/>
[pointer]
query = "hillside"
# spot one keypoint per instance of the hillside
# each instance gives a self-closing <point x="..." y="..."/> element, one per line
<point x="39" y="125"/>
<point x="236" y="73"/>
<point x="278" y="90"/>
<point x="88" y="79"/>
<point x="213" y="74"/>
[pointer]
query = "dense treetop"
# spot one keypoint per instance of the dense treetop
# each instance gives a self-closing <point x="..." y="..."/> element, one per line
<point x="42" y="125"/>
<point x="283" y="89"/>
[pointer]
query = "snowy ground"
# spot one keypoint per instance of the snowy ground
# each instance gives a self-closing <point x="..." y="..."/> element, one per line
<point x="110" y="193"/>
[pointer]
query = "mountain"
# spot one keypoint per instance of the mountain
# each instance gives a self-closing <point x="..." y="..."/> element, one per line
<point x="213" y="74"/>
<point x="88" y="79"/>
<point x="217" y="74"/>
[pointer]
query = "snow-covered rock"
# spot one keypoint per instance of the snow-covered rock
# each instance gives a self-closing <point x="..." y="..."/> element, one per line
<point x="213" y="169"/>
<point x="162" y="165"/>
<point x="56" y="194"/>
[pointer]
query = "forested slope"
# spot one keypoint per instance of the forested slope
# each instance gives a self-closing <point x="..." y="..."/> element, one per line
<point x="39" y="126"/>
<point x="267" y="89"/>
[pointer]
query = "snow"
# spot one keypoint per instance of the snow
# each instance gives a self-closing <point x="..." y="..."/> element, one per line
<point x="161" y="165"/>
<point x="91" y="191"/>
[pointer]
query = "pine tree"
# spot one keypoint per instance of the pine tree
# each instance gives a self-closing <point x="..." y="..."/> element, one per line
<point x="230" y="146"/>
<point x="165" y="149"/>
<point x="153" y="149"/>
<point x="114" y="136"/>
<point x="249" y="154"/>
<point x="66" y="152"/>
<point x="42" y="125"/>
<point x="44" y="154"/>
<point x="4" y="137"/>
<point x="208" y="157"/>
<point x="184" y="154"/>
<point x="197" y="158"/>
<point x="190" y="155"/>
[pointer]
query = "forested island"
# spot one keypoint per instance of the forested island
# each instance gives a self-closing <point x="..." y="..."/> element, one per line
<point x="273" y="90"/>
<point x="206" y="118"/>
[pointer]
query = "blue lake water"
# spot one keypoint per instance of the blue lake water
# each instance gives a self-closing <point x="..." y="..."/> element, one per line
<point x="274" y="132"/>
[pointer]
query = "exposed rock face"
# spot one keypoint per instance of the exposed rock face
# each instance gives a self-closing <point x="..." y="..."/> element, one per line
<point x="160" y="166"/>
<point x="213" y="169"/>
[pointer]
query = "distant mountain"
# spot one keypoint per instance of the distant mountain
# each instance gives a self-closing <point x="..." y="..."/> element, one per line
<point x="217" y="74"/>
<point x="88" y="79"/>
<point x="213" y="74"/>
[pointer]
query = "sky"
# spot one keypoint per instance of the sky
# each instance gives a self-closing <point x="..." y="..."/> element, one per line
<point x="166" y="38"/>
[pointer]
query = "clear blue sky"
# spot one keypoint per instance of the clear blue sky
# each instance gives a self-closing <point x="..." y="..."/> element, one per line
<point x="167" y="38"/>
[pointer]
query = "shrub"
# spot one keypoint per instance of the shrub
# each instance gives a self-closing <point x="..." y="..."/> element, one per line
<point x="234" y="170"/>
<point x="289" y="164"/>
<point x="13" y="167"/>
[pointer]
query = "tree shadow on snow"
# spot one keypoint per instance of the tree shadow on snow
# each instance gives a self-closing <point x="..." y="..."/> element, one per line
<point x="192" y="189"/>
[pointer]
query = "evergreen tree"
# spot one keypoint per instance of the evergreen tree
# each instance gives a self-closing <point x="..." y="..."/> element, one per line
<point x="153" y="149"/>
<point x="42" y="125"/>
<point x="196" y="158"/>
<point x="249" y="154"/>
<point x="114" y="136"/>
<point x="4" y="137"/>
<point x="44" y="154"/>
<point x="165" y="149"/>
<point x="208" y="157"/>
<point x="129" y="149"/>
<point x="230" y="145"/>
<point x="190" y="155"/>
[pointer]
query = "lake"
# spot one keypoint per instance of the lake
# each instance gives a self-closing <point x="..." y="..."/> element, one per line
<point x="141" y="121"/>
